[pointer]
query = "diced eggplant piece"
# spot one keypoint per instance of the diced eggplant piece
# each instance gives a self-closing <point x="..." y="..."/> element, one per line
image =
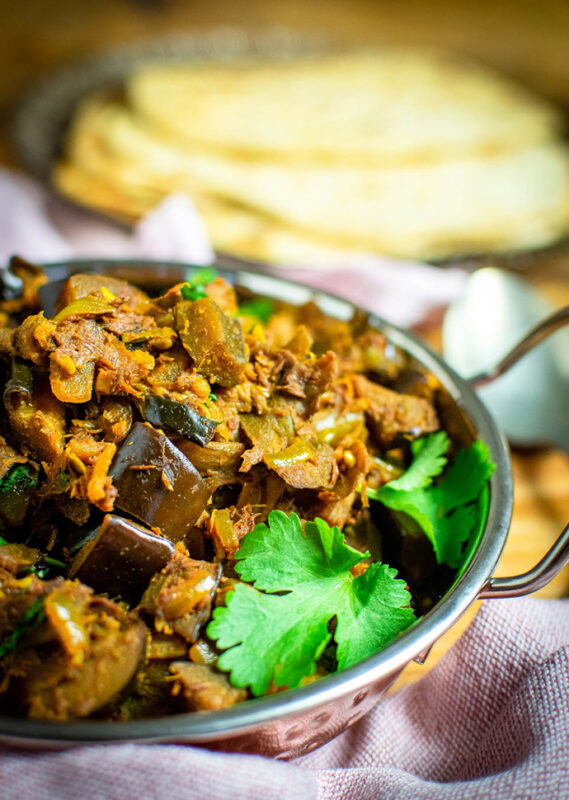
<point x="156" y="483"/>
<point x="16" y="558"/>
<point x="215" y="457"/>
<point x="56" y="690"/>
<point x="213" y="339"/>
<point x="121" y="559"/>
<point x="90" y="650"/>
<point x="83" y="284"/>
<point x="180" y="597"/>
<point x="115" y="418"/>
<point x="150" y="695"/>
<point x="35" y="416"/>
<point x="203" y="688"/>
<point x="179" y="417"/>
<point x="74" y="385"/>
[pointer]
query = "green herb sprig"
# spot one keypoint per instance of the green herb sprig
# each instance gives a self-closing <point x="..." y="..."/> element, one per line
<point x="262" y="308"/>
<point x="444" y="509"/>
<point x="194" y="289"/>
<point x="276" y="635"/>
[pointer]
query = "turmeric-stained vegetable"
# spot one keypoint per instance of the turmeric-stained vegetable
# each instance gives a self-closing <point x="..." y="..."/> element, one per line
<point x="331" y="427"/>
<point x="20" y="284"/>
<point x="165" y="647"/>
<point x="215" y="457"/>
<point x="21" y="380"/>
<point x="179" y="417"/>
<point x="180" y="597"/>
<point x="213" y="339"/>
<point x="57" y="689"/>
<point x="115" y="418"/>
<point x="203" y="689"/>
<point x="36" y="417"/>
<point x="295" y="453"/>
<point x="121" y="558"/>
<point x="17" y="558"/>
<point x="69" y="383"/>
<point x="65" y="609"/>
<point x="223" y="533"/>
<point x="90" y="306"/>
<point x="156" y="338"/>
<point x="83" y="284"/>
<point x="156" y="483"/>
<point x="269" y="432"/>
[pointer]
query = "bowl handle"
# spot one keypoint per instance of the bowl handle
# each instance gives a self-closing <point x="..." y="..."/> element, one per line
<point x="536" y="335"/>
<point x="552" y="563"/>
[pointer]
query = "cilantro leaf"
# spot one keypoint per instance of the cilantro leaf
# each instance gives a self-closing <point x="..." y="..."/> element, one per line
<point x="202" y="276"/>
<point x="192" y="293"/>
<point x="279" y="637"/>
<point x="260" y="307"/>
<point x="442" y="510"/>
<point x="428" y="461"/>
<point x="193" y="289"/>
<point x="272" y="638"/>
<point x="280" y="556"/>
<point x="379" y="600"/>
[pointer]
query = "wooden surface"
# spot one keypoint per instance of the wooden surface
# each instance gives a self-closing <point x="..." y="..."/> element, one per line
<point x="526" y="39"/>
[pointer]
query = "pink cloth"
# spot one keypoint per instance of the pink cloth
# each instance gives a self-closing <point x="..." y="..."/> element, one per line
<point x="491" y="720"/>
<point x="36" y="225"/>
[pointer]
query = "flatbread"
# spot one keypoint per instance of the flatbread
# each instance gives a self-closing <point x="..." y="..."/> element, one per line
<point x="387" y="108"/>
<point x="514" y="199"/>
<point x="485" y="171"/>
<point x="93" y="176"/>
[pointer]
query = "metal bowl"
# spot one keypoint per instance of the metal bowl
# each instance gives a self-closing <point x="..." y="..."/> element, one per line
<point x="297" y="721"/>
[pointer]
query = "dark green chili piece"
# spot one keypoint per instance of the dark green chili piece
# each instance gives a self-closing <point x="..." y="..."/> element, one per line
<point x="166" y="413"/>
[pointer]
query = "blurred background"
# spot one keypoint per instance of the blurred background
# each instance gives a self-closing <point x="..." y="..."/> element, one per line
<point x="526" y="40"/>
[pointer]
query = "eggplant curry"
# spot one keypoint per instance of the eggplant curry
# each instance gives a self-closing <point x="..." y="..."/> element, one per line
<point x="206" y="496"/>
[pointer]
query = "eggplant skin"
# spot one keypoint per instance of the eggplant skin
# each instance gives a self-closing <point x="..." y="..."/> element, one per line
<point x="56" y="691"/>
<point x="213" y="339"/>
<point x="121" y="559"/>
<point x="156" y="483"/>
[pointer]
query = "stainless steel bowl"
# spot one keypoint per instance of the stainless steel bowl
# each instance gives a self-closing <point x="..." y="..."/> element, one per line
<point x="297" y="721"/>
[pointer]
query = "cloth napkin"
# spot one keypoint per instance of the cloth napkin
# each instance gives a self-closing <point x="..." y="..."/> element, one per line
<point x="38" y="226"/>
<point x="491" y="719"/>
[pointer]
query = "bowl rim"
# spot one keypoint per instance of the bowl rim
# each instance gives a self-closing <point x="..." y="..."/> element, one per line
<point x="208" y="726"/>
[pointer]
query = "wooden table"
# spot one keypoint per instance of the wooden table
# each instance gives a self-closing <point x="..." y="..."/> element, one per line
<point x="526" y="38"/>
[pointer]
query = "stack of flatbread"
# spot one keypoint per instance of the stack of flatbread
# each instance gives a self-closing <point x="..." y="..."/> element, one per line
<point x="403" y="153"/>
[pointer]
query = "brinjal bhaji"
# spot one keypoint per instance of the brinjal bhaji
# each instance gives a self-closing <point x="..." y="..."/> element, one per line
<point x="206" y="496"/>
